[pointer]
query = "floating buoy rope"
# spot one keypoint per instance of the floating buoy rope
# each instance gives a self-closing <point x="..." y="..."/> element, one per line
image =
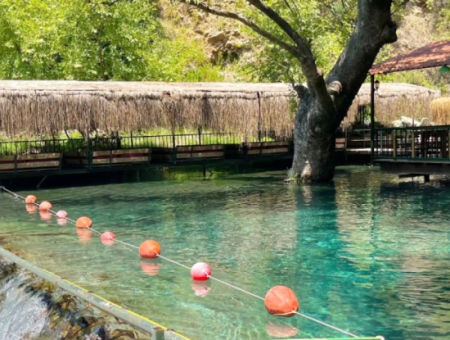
<point x="279" y="300"/>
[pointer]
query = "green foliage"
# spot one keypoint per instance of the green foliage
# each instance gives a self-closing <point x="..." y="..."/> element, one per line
<point x="75" y="39"/>
<point x="95" y="40"/>
<point x="180" y="60"/>
<point x="327" y="26"/>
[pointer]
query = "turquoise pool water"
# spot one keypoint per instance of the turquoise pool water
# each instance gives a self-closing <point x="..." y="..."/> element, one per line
<point x="369" y="253"/>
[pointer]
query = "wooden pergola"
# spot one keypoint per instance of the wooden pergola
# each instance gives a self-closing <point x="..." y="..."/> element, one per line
<point x="436" y="54"/>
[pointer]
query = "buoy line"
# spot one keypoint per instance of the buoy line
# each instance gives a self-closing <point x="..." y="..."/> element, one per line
<point x="280" y="294"/>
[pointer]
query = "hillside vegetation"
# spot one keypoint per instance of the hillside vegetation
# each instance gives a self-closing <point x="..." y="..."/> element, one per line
<point x="166" y="41"/>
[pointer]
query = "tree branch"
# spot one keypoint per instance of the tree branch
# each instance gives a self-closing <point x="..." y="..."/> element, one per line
<point x="305" y="52"/>
<point x="290" y="48"/>
<point x="306" y="58"/>
<point x="301" y="51"/>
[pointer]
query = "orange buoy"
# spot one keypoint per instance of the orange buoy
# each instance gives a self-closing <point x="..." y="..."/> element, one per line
<point x="30" y="199"/>
<point x="281" y="301"/>
<point x="84" y="235"/>
<point x="31" y="208"/>
<point x="150" y="268"/>
<point x="84" y="222"/>
<point x="150" y="249"/>
<point x="281" y="330"/>
<point x="45" y="215"/>
<point x="44" y="206"/>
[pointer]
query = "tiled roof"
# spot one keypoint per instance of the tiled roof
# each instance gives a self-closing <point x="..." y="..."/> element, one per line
<point x="436" y="54"/>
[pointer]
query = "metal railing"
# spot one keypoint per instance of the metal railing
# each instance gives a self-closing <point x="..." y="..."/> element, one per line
<point x="430" y="142"/>
<point x="130" y="142"/>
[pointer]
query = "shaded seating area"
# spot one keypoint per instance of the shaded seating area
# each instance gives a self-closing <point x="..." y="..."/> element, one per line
<point x="414" y="146"/>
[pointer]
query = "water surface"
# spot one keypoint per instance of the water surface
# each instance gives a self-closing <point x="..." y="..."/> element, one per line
<point x="368" y="253"/>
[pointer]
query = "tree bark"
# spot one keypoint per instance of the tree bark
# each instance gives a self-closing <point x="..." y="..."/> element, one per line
<point x="315" y="125"/>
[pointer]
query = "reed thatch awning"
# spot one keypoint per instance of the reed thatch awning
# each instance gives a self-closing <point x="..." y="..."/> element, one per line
<point x="48" y="107"/>
<point x="37" y="108"/>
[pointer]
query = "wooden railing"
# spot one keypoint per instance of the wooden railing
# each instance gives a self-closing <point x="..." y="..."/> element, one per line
<point x="414" y="143"/>
<point x="11" y="148"/>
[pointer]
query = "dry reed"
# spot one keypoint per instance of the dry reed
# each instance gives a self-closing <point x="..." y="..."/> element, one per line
<point x="50" y="112"/>
<point x="242" y="109"/>
<point x="440" y="111"/>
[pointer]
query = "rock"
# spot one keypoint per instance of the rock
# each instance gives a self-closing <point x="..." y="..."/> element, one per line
<point x="236" y="33"/>
<point x="216" y="37"/>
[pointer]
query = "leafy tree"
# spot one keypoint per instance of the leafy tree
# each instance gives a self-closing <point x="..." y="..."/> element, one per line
<point x="301" y="33"/>
<point x="76" y="39"/>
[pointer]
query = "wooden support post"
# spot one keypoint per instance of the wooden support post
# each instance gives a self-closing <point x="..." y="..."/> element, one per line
<point x="200" y="129"/>
<point x="413" y="144"/>
<point x="426" y="178"/>
<point x="372" y="116"/>
<point x="394" y="144"/>
<point x="259" y="115"/>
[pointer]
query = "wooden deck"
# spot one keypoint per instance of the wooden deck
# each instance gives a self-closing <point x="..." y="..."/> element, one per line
<point x="415" y="150"/>
<point x="57" y="157"/>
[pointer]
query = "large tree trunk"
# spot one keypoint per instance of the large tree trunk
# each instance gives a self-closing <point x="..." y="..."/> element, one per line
<point x="316" y="125"/>
<point x="314" y="145"/>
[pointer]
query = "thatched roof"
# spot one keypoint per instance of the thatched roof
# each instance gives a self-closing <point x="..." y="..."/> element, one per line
<point x="47" y="107"/>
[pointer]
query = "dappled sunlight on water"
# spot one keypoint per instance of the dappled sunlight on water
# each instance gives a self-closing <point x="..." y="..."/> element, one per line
<point x="369" y="253"/>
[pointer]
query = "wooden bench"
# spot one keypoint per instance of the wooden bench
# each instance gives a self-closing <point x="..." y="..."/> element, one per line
<point x="109" y="157"/>
<point x="189" y="153"/>
<point x="40" y="161"/>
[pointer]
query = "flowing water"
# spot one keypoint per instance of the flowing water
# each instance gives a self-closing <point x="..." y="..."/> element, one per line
<point x="369" y="253"/>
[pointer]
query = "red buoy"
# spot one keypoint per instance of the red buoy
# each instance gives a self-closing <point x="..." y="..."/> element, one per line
<point x="150" y="249"/>
<point x="200" y="271"/>
<point x="84" y="222"/>
<point x="30" y="199"/>
<point x="281" y="301"/>
<point x="61" y="214"/>
<point x="44" y="206"/>
<point x="108" y="238"/>
<point x="62" y="222"/>
<point x="201" y="288"/>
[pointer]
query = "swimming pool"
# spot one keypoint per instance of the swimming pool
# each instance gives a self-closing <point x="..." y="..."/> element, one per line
<point x="369" y="253"/>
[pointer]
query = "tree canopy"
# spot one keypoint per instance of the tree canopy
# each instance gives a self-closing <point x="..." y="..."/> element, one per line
<point x="93" y="40"/>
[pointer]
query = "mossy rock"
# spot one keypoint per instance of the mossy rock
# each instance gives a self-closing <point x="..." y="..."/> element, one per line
<point x="43" y="286"/>
<point x="122" y="334"/>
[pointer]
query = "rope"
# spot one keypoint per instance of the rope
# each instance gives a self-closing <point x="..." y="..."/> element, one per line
<point x="184" y="266"/>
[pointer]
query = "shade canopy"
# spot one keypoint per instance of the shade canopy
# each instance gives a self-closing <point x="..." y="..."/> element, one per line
<point x="436" y="54"/>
